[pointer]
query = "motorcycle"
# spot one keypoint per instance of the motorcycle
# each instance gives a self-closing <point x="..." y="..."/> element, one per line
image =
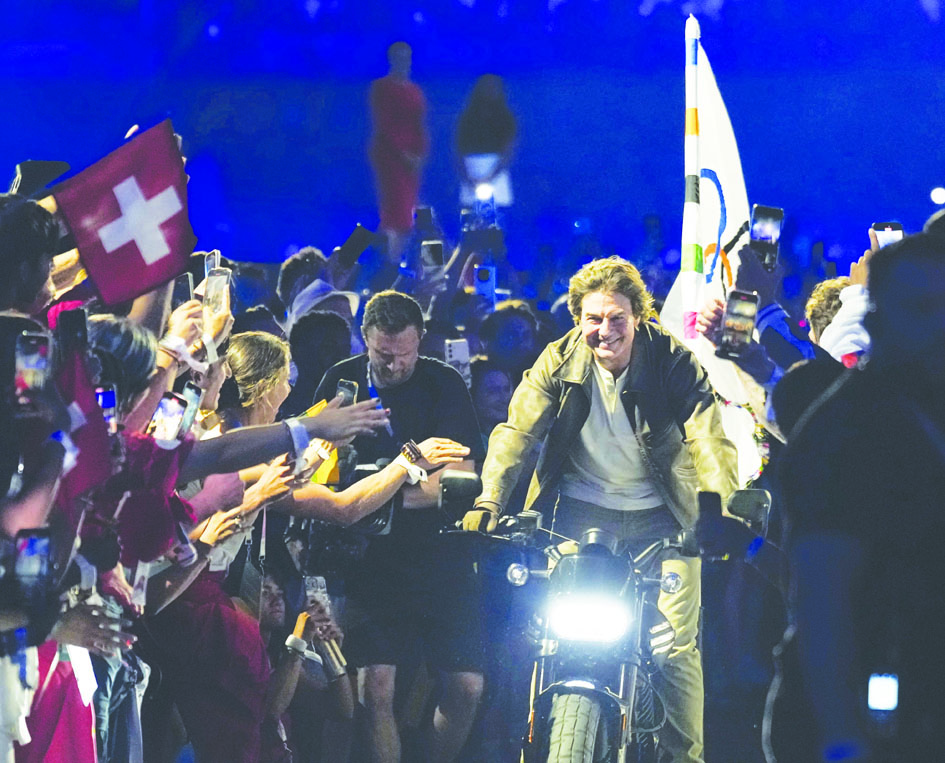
<point x="597" y="634"/>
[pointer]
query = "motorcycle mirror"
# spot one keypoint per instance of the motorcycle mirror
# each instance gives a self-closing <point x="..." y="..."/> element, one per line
<point x="458" y="490"/>
<point x="750" y="504"/>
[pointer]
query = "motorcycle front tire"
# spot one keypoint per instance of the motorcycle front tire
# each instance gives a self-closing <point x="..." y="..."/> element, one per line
<point x="574" y="728"/>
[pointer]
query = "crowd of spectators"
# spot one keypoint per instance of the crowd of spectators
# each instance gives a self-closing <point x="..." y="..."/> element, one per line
<point x="195" y="580"/>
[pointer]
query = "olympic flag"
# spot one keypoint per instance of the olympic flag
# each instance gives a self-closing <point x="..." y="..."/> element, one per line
<point x="715" y="226"/>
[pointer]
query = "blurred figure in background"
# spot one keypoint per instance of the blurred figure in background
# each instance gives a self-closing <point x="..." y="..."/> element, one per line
<point x="491" y="393"/>
<point x="485" y="139"/>
<point x="509" y="337"/>
<point x="399" y="145"/>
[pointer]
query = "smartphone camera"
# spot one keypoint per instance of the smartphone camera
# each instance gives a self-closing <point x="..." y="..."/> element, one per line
<point x="484" y="281"/>
<point x="766" y="233"/>
<point x="882" y="694"/>
<point x="431" y="254"/>
<point x="423" y="219"/>
<point x="31" y="368"/>
<point x="887" y="233"/>
<point x="166" y="423"/>
<point x="738" y="323"/>
<point x="348" y="391"/>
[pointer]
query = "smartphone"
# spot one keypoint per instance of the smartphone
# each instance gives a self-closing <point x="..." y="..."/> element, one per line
<point x="348" y="390"/>
<point x="31" y="365"/>
<point x="484" y="281"/>
<point x="882" y="693"/>
<point x="887" y="233"/>
<point x="431" y="254"/>
<point x="72" y="333"/>
<point x="766" y="233"/>
<point x="32" y="175"/>
<point x="316" y="590"/>
<point x="32" y="566"/>
<point x="354" y="246"/>
<point x="183" y="290"/>
<point x="211" y="261"/>
<point x="738" y="323"/>
<point x="166" y="423"/>
<point x="216" y="296"/>
<point x="192" y="394"/>
<point x="423" y="218"/>
<point x="457" y="355"/>
<point x="107" y="399"/>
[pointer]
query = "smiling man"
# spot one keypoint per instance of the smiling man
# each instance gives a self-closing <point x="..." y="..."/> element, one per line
<point x="631" y="432"/>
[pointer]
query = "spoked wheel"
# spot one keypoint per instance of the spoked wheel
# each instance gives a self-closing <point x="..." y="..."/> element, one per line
<point x="575" y="730"/>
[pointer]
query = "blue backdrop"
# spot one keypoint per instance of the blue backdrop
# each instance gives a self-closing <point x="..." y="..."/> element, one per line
<point x="838" y="114"/>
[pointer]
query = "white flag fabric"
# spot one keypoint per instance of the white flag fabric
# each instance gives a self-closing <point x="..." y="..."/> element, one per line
<point x="715" y="226"/>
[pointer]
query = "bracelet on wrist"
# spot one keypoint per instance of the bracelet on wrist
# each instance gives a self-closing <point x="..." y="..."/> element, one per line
<point x="176" y="348"/>
<point x="414" y="473"/>
<point x="300" y="441"/>
<point x="411" y="451"/>
<point x="211" y="347"/>
<point x="295" y="644"/>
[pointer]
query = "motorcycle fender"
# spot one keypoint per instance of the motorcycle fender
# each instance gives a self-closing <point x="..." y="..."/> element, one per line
<point x="611" y="710"/>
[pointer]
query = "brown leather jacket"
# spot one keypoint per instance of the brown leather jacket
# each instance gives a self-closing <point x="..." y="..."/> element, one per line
<point x="667" y="398"/>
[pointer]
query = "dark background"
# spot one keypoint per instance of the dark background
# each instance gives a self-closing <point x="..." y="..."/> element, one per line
<point x="838" y="113"/>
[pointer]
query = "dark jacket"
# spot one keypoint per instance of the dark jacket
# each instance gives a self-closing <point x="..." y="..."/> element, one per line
<point x="667" y="398"/>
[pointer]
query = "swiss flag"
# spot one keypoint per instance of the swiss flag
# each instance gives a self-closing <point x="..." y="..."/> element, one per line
<point x="128" y="214"/>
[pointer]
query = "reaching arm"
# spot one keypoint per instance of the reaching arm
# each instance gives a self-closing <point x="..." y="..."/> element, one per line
<point x="251" y="445"/>
<point x="372" y="492"/>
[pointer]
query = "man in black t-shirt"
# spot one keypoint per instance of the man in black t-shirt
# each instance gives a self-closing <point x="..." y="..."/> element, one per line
<point x="412" y="582"/>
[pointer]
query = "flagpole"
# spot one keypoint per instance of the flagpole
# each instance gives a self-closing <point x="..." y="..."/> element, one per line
<point x="691" y="268"/>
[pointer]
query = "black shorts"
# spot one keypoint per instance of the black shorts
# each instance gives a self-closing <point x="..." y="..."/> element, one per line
<point x="408" y="591"/>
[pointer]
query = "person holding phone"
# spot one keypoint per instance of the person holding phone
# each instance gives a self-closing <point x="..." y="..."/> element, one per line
<point x="411" y="585"/>
<point x="629" y="432"/>
<point x="863" y="478"/>
<point x="212" y="654"/>
<point x="485" y="141"/>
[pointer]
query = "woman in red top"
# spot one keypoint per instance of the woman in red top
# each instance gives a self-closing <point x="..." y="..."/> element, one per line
<point x="399" y="145"/>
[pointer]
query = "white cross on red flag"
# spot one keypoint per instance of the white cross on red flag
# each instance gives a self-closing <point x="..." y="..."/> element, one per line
<point x="128" y="214"/>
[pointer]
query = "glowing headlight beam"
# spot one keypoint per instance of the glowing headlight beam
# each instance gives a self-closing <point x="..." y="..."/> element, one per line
<point x="579" y="617"/>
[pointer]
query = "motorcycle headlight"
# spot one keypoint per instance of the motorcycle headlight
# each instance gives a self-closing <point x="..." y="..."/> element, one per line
<point x="585" y="617"/>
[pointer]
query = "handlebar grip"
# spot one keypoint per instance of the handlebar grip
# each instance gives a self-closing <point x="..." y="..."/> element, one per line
<point x="688" y="543"/>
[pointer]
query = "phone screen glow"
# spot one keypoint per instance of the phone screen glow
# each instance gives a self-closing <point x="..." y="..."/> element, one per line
<point x="883" y="692"/>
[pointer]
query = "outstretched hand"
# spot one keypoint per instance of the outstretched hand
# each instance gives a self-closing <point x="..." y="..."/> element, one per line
<point x="222" y="525"/>
<point x="113" y="583"/>
<point x="709" y="320"/>
<point x="92" y="627"/>
<point x="435" y="451"/>
<point x="274" y="481"/>
<point x="336" y="423"/>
